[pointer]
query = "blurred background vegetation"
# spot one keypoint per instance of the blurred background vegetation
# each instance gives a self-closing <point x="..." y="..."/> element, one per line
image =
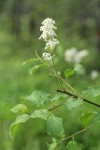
<point x="78" y="24"/>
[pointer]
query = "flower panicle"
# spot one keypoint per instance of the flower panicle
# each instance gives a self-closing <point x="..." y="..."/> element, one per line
<point x="48" y="34"/>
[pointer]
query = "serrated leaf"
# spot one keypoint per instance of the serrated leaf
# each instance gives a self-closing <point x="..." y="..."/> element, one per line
<point x="30" y="60"/>
<point x="79" y="69"/>
<point x="20" y="119"/>
<point x="53" y="145"/>
<point x="73" y="145"/>
<point x="58" y="96"/>
<point x="20" y="108"/>
<point x="68" y="73"/>
<point x="86" y="117"/>
<point x="38" y="98"/>
<point x="42" y="114"/>
<point x="72" y="103"/>
<point x="35" y="67"/>
<point x="54" y="126"/>
<point x="93" y="91"/>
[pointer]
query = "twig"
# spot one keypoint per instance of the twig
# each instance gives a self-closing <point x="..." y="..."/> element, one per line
<point x="71" y="136"/>
<point x="70" y="94"/>
<point x="84" y="99"/>
<point x="55" y="107"/>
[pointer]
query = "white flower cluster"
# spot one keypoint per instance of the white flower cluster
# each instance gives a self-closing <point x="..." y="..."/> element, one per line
<point x="94" y="74"/>
<point x="74" y="56"/>
<point x="48" y="33"/>
<point x="47" y="56"/>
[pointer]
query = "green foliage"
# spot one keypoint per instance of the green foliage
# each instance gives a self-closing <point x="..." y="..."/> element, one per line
<point x="38" y="98"/>
<point x="92" y="91"/>
<point x="30" y="60"/>
<point x="68" y="73"/>
<point x="37" y="56"/>
<point x="20" y="119"/>
<point x="97" y="116"/>
<point x="79" y="69"/>
<point x="19" y="108"/>
<point x="72" y="103"/>
<point x="54" y="126"/>
<point x="87" y="117"/>
<point x="42" y="114"/>
<point x="35" y="67"/>
<point x="59" y="96"/>
<point x="53" y="144"/>
<point x="73" y="145"/>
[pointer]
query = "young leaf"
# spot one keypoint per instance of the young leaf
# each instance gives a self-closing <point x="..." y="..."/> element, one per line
<point x="38" y="98"/>
<point x="58" y="96"/>
<point x="30" y="60"/>
<point x="20" y="119"/>
<point x="20" y="108"/>
<point x="93" y="91"/>
<point x="68" y="73"/>
<point x="73" y="103"/>
<point x="42" y="113"/>
<point x="38" y="57"/>
<point x="52" y="145"/>
<point x="34" y="68"/>
<point x="79" y="69"/>
<point x="86" y="117"/>
<point x="54" y="126"/>
<point x="73" y="145"/>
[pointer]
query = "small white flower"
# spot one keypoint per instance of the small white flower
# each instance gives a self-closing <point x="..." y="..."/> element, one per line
<point x="46" y="35"/>
<point x="94" y="74"/>
<point x="70" y="54"/>
<point x="48" y="29"/>
<point x="51" y="44"/>
<point x="47" y="56"/>
<point x="80" y="55"/>
<point x="48" y="21"/>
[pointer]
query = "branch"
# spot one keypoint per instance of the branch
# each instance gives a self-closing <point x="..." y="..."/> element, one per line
<point x="84" y="99"/>
<point x="55" y="107"/>
<point x="70" y="94"/>
<point x="71" y="136"/>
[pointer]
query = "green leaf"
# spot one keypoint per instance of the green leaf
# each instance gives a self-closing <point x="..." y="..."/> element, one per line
<point x="42" y="114"/>
<point x="38" y="57"/>
<point x="20" y="119"/>
<point x="97" y="116"/>
<point x="68" y="73"/>
<point x="54" y="126"/>
<point x="52" y="145"/>
<point x="79" y="69"/>
<point x="73" y="145"/>
<point x="20" y="108"/>
<point x="73" y="103"/>
<point x="93" y="91"/>
<point x="34" y="68"/>
<point x="30" y="60"/>
<point x="38" y="98"/>
<point x="58" y="96"/>
<point x="87" y="117"/>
